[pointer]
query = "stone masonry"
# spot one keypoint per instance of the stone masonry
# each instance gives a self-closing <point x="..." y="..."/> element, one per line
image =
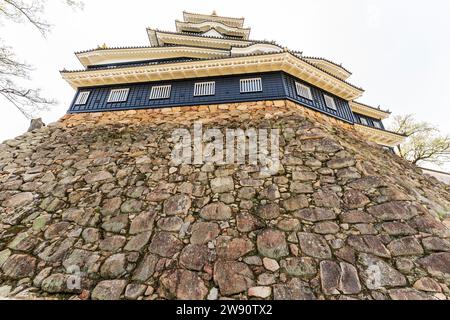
<point x="91" y="207"/>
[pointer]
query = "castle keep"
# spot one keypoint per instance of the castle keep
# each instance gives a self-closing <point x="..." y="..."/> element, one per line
<point x="212" y="60"/>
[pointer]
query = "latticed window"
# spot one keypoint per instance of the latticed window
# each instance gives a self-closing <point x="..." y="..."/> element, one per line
<point x="160" y="92"/>
<point x="205" y="89"/>
<point x="329" y="102"/>
<point x="118" y="95"/>
<point x="251" y="85"/>
<point x="364" y="121"/>
<point x="303" y="91"/>
<point x="377" y="124"/>
<point x="82" y="98"/>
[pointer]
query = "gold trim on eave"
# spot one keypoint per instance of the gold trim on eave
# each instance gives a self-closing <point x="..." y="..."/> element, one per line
<point x="118" y="55"/>
<point x="159" y="38"/>
<point x="338" y="71"/>
<point x="285" y="62"/>
<point x="197" y="17"/>
<point x="369" y="111"/>
<point x="379" y="136"/>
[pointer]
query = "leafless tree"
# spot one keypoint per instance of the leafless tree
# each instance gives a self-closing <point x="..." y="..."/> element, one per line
<point x="27" y="100"/>
<point x="424" y="143"/>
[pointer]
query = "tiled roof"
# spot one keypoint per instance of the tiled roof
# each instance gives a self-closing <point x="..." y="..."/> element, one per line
<point x="212" y="37"/>
<point x="220" y="58"/>
<point x="298" y="54"/>
<point x="217" y="16"/>
<point x="377" y="109"/>
<point x="324" y="59"/>
<point x="146" y="47"/>
<point x="219" y="22"/>
<point x="384" y="130"/>
<point x="155" y="63"/>
<point x="113" y="48"/>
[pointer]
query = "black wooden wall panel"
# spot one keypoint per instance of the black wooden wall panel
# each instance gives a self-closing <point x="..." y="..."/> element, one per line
<point x="276" y="85"/>
<point x="343" y="109"/>
<point x="182" y="94"/>
<point x="370" y="120"/>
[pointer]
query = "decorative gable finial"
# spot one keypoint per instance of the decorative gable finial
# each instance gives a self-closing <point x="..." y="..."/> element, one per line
<point x="214" y="13"/>
<point x="103" y="46"/>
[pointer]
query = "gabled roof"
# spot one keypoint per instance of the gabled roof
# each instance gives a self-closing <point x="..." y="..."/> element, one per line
<point x="220" y="27"/>
<point x="196" y="18"/>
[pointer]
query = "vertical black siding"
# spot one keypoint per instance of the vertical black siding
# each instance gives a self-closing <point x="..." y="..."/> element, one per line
<point x="343" y="108"/>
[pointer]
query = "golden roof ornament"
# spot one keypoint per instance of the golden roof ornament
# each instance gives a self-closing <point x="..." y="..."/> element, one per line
<point x="103" y="46"/>
<point x="214" y="13"/>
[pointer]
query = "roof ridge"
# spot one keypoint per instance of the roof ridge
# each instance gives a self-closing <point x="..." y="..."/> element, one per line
<point x="243" y="28"/>
<point x="327" y="72"/>
<point x="147" y="47"/>
<point x="218" y="16"/>
<point x="212" y="37"/>
<point x="378" y="109"/>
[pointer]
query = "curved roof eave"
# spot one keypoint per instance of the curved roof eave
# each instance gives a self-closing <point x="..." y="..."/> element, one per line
<point x="338" y="70"/>
<point x="284" y="61"/>
<point x="182" y="24"/>
<point x="83" y="56"/>
<point x="370" y="111"/>
<point x="154" y="32"/>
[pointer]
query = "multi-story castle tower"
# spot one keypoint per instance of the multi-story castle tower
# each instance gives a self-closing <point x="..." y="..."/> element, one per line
<point x="211" y="60"/>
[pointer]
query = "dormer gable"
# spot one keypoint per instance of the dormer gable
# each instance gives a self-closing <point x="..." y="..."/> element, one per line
<point x="213" y="33"/>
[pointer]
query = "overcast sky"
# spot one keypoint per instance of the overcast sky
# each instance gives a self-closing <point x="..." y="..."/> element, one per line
<point x="398" y="51"/>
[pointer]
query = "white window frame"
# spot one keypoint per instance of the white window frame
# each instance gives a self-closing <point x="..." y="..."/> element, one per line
<point x="202" y="89"/>
<point x="118" y="95"/>
<point x="251" y="85"/>
<point x="330" y="102"/>
<point x="364" y="121"/>
<point x="82" y="98"/>
<point x="303" y="91"/>
<point x="160" y="92"/>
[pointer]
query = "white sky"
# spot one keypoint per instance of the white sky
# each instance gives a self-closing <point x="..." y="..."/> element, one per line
<point x="398" y="51"/>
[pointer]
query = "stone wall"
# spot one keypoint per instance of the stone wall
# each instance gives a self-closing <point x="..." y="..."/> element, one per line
<point x="96" y="195"/>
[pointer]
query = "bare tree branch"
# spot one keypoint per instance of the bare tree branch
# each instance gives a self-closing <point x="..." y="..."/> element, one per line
<point x="31" y="11"/>
<point x="10" y="66"/>
<point x="20" y="10"/>
<point x="27" y="101"/>
<point x="424" y="142"/>
<point x="407" y="125"/>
